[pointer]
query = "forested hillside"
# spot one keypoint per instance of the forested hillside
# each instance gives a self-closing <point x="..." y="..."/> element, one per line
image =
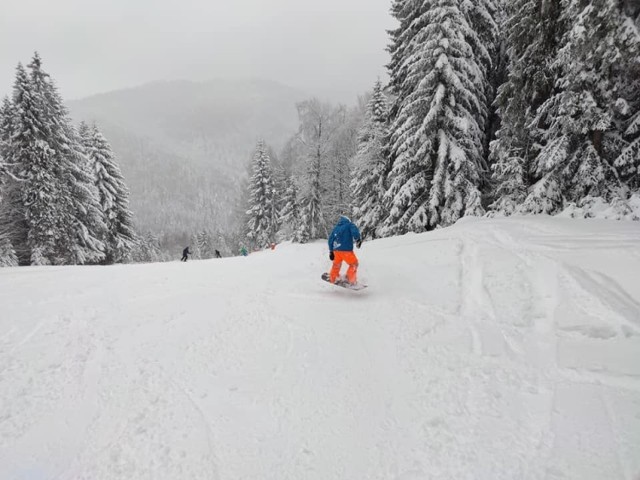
<point x="184" y="146"/>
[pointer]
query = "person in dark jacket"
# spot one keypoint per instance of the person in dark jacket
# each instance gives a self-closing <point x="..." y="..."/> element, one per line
<point x="218" y="254"/>
<point x="341" y="242"/>
<point x="185" y="254"/>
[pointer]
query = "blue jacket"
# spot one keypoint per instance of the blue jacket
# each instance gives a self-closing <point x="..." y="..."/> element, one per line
<point x="343" y="235"/>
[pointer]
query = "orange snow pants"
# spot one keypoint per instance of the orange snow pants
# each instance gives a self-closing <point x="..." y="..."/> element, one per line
<point x="351" y="260"/>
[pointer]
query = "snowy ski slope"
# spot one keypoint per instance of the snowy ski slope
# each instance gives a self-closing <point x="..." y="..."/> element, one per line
<point x="495" y="349"/>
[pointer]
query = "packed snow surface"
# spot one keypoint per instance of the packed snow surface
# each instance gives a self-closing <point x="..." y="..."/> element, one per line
<point x="495" y="349"/>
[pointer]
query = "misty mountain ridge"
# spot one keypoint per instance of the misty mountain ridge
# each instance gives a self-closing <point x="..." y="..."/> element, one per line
<point x="206" y="121"/>
<point x="183" y="145"/>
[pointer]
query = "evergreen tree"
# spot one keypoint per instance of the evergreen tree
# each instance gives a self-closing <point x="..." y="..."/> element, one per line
<point x="370" y="166"/>
<point x="319" y="125"/>
<point x="313" y="127"/>
<point x="8" y="256"/>
<point x="533" y="35"/>
<point x="438" y="120"/>
<point x="239" y="234"/>
<point x="203" y="245"/>
<point x="29" y="209"/>
<point x="274" y="213"/>
<point x="303" y="233"/>
<point x="585" y="137"/>
<point x="483" y="17"/>
<point x="81" y="221"/>
<point x="6" y="129"/>
<point x="628" y="162"/>
<point x="194" y="247"/>
<point x="312" y="222"/>
<point x="223" y="245"/>
<point x="628" y="86"/>
<point x="280" y="184"/>
<point x="147" y="249"/>
<point x="49" y="213"/>
<point x="113" y="195"/>
<point x="338" y="197"/>
<point x="290" y="216"/>
<point x="261" y="224"/>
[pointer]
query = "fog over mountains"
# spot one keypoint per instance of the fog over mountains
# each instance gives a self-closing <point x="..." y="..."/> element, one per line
<point x="184" y="146"/>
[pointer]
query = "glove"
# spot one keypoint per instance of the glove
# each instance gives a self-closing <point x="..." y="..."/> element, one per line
<point x="331" y="256"/>
<point x="359" y="243"/>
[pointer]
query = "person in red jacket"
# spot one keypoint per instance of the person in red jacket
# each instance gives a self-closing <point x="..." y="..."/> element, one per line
<point x="341" y="242"/>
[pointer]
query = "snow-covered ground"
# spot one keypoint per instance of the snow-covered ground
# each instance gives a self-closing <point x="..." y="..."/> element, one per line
<point x="495" y="349"/>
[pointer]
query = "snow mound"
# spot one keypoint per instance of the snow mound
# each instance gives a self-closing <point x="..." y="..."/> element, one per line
<point x="597" y="207"/>
<point x="494" y="349"/>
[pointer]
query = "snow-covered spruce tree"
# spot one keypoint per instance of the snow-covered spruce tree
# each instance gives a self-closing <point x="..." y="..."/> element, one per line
<point x="53" y="216"/>
<point x="8" y="257"/>
<point x="222" y="245"/>
<point x="484" y="17"/>
<point x="194" y="248"/>
<point x="113" y="195"/>
<point x="29" y="217"/>
<point x="203" y="245"/>
<point x="262" y="225"/>
<point x="343" y="147"/>
<point x="240" y="230"/>
<point x="303" y="234"/>
<point x="585" y="136"/>
<point x="533" y="33"/>
<point x="85" y="244"/>
<point x="280" y="178"/>
<point x="370" y="166"/>
<point x="147" y="249"/>
<point x="437" y="121"/>
<point x="6" y="129"/>
<point x="312" y="222"/>
<point x="290" y="212"/>
<point x="319" y="123"/>
<point x="628" y="160"/>
<point x="83" y="219"/>
<point x="274" y="213"/>
<point x="5" y="135"/>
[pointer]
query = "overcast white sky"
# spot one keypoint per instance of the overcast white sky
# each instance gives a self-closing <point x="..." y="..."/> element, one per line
<point x="94" y="46"/>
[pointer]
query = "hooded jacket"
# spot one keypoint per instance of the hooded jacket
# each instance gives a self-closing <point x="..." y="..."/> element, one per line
<point x="343" y="236"/>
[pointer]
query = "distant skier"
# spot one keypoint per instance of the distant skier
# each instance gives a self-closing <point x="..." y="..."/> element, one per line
<point x="218" y="254"/>
<point x="185" y="254"/>
<point x="244" y="252"/>
<point x="341" y="249"/>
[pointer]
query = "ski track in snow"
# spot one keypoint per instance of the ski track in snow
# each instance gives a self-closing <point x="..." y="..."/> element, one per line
<point x="495" y="349"/>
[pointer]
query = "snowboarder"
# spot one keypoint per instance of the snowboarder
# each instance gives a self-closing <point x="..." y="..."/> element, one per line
<point x="218" y="254"/>
<point x="341" y="249"/>
<point x="185" y="255"/>
<point x="244" y="252"/>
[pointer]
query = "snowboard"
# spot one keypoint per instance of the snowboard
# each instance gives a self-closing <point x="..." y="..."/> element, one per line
<point x="341" y="282"/>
